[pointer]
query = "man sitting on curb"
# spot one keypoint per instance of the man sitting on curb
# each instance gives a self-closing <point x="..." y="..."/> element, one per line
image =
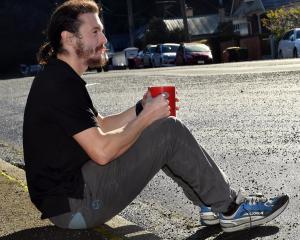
<point x="83" y="168"/>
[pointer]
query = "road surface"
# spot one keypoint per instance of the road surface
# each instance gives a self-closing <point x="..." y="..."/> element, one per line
<point x="246" y="115"/>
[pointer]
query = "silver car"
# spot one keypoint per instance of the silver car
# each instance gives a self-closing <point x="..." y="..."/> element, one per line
<point x="165" y="54"/>
<point x="148" y="54"/>
<point x="289" y="45"/>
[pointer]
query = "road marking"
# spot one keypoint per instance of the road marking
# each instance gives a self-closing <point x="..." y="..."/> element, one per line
<point x="92" y="84"/>
<point x="19" y="182"/>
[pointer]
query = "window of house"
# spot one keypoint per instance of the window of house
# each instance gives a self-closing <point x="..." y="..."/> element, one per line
<point x="236" y="27"/>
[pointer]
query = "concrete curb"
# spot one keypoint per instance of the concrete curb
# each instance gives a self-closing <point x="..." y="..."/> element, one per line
<point x="117" y="228"/>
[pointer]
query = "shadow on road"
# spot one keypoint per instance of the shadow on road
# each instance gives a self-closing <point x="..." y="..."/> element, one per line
<point x="52" y="232"/>
<point x="10" y="76"/>
<point x="248" y="234"/>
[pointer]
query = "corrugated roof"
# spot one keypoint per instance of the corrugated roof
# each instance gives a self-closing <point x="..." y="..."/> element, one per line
<point x="202" y="25"/>
<point x="272" y="4"/>
<point x="249" y="7"/>
<point x="257" y="6"/>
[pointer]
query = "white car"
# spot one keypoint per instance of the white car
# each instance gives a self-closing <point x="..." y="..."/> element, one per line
<point x="125" y="58"/>
<point x="165" y="54"/>
<point x="289" y="45"/>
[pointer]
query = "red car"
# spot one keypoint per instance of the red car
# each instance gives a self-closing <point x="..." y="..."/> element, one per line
<point x="193" y="53"/>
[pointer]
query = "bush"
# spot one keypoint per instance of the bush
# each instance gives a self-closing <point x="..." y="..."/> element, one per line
<point x="281" y="20"/>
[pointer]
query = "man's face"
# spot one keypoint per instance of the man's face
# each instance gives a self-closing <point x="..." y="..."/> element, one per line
<point x="90" y="41"/>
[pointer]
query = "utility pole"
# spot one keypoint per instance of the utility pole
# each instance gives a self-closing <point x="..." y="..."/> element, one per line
<point x="130" y="22"/>
<point x="185" y="23"/>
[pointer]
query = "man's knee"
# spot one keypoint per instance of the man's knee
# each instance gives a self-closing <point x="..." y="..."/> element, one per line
<point x="174" y="124"/>
<point x="169" y="122"/>
<point x="170" y="126"/>
<point x="166" y="128"/>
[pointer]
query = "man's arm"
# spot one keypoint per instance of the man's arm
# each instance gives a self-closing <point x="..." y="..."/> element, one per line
<point x="103" y="147"/>
<point x="112" y="122"/>
<point x="116" y="121"/>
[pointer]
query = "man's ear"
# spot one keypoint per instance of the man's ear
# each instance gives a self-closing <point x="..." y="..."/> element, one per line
<point x="68" y="38"/>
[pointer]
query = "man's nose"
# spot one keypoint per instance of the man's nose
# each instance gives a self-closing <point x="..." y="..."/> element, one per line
<point x="103" y="38"/>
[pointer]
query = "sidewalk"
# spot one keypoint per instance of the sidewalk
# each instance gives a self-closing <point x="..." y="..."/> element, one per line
<point x="19" y="220"/>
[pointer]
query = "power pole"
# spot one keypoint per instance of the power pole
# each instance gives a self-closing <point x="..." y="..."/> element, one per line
<point x="185" y="23"/>
<point x="130" y="22"/>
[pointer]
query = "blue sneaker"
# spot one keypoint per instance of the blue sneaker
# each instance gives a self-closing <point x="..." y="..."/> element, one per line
<point x="253" y="210"/>
<point x="207" y="217"/>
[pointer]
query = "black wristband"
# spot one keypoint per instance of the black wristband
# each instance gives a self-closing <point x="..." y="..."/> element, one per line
<point x="138" y="107"/>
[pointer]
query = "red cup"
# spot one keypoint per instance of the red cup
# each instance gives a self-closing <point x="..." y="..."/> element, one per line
<point x="170" y="90"/>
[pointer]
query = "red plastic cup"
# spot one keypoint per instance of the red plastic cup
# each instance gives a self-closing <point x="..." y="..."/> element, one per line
<point x="170" y="90"/>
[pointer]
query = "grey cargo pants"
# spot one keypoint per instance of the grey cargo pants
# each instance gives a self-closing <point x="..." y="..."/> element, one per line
<point x="168" y="145"/>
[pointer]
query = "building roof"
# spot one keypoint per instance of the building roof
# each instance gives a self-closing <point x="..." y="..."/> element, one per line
<point x="249" y="7"/>
<point x="201" y="25"/>
<point x="272" y="4"/>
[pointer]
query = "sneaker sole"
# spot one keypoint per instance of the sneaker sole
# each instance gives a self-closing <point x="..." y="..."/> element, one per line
<point x="209" y="222"/>
<point x="257" y="222"/>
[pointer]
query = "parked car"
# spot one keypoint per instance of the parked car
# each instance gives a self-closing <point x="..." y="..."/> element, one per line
<point x="289" y="45"/>
<point x="148" y="55"/>
<point x="119" y="60"/>
<point x="110" y="52"/>
<point x="139" y="60"/>
<point x="235" y="54"/>
<point x="193" y="53"/>
<point x="29" y="70"/>
<point x="165" y="54"/>
<point x="130" y="54"/>
<point x="125" y="58"/>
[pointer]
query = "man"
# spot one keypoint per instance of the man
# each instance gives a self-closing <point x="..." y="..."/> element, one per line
<point x="82" y="168"/>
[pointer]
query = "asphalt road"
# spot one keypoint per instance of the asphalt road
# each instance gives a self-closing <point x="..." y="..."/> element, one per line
<point x="246" y="115"/>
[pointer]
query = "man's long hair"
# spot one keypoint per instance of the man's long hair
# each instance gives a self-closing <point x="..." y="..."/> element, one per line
<point x="64" y="18"/>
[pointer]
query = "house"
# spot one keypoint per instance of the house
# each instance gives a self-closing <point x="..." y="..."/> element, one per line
<point x="246" y="19"/>
<point x="246" y="14"/>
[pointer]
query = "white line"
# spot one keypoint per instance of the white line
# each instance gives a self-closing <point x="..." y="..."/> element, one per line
<point x="92" y="84"/>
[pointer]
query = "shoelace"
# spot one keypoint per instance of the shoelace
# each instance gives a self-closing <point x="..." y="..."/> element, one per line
<point x="255" y="198"/>
<point x="252" y="200"/>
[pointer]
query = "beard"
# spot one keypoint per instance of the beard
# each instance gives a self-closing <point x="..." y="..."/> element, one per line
<point x="88" y="54"/>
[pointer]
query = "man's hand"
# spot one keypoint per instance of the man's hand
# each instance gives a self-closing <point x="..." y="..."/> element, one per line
<point x="155" y="108"/>
<point x="148" y="99"/>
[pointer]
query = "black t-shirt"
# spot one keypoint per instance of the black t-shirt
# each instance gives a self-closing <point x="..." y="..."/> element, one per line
<point x="58" y="106"/>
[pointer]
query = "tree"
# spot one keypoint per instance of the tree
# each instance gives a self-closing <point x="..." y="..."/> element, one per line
<point x="281" y="20"/>
<point x="157" y="31"/>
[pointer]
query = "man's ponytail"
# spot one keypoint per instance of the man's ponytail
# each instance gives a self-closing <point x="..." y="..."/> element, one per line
<point x="46" y="51"/>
